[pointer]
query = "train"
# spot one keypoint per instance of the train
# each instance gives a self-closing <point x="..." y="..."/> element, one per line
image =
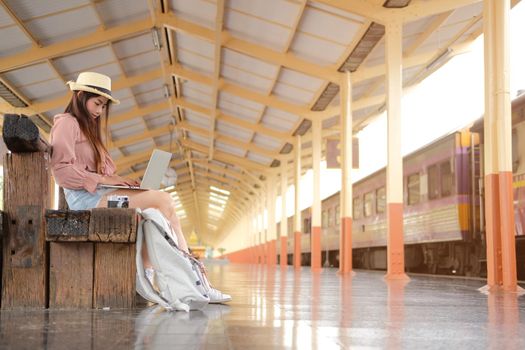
<point x="444" y="222"/>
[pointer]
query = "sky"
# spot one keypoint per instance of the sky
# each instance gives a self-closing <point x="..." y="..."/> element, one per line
<point x="449" y="99"/>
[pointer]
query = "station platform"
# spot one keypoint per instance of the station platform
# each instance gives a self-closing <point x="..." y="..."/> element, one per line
<point x="276" y="308"/>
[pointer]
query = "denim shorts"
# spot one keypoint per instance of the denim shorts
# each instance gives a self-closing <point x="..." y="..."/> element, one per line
<point x="84" y="200"/>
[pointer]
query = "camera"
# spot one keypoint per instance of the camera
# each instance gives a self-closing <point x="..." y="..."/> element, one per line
<point x="118" y="202"/>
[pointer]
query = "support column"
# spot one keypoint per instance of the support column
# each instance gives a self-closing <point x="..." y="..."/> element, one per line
<point x="272" y="234"/>
<point x="297" y="207"/>
<point x="345" y="239"/>
<point x="500" y="236"/>
<point x="284" y="219"/>
<point x="316" y="204"/>
<point x="394" y="170"/>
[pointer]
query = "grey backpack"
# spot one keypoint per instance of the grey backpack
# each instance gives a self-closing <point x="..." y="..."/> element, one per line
<point x="179" y="278"/>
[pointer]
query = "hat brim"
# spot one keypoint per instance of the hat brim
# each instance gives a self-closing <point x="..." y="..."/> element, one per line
<point x="79" y="87"/>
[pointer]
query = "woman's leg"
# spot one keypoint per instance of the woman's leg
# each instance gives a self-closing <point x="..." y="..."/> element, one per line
<point x="153" y="199"/>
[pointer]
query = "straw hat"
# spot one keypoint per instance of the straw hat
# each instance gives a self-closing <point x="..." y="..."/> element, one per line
<point x="96" y="83"/>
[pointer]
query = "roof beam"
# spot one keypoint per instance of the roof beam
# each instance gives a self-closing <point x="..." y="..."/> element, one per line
<point x="98" y="37"/>
<point x="364" y="8"/>
<point x="424" y="8"/>
<point x="231" y="42"/>
<point x="120" y="83"/>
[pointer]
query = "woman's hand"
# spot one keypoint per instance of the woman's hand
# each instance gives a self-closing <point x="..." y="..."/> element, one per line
<point x="118" y="180"/>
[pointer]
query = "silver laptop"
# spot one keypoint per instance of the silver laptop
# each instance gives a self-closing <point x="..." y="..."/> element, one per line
<point x="157" y="166"/>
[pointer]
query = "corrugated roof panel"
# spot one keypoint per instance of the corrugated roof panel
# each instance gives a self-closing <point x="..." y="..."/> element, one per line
<point x="295" y="78"/>
<point x="150" y="97"/>
<point x="126" y="128"/>
<point x="165" y="140"/>
<point x="158" y="121"/>
<point x="231" y="149"/>
<point x="5" y="19"/>
<point x="125" y="105"/>
<point x="278" y="119"/>
<point x="197" y="98"/>
<point x="141" y="62"/>
<point x="148" y="86"/>
<point x="256" y="30"/>
<point x="44" y="90"/>
<point x="249" y="64"/>
<point x="252" y="81"/>
<point x="195" y="62"/>
<point x="63" y="26"/>
<point x="316" y="50"/>
<point x="198" y="11"/>
<point x="131" y="46"/>
<point x="122" y="94"/>
<point x="138" y="147"/>
<point x="266" y="9"/>
<point x="335" y="11"/>
<point x="114" y="12"/>
<point x="293" y="94"/>
<point x="326" y="26"/>
<point x="30" y="74"/>
<point x="188" y="85"/>
<point x="194" y="44"/>
<point x="259" y="159"/>
<point x="80" y="61"/>
<point x="267" y="142"/>
<point x="26" y="9"/>
<point x="248" y="107"/>
<point x="198" y="120"/>
<point x="362" y="87"/>
<point x="198" y="138"/>
<point x="242" y="134"/>
<point x="112" y="70"/>
<point x="13" y="41"/>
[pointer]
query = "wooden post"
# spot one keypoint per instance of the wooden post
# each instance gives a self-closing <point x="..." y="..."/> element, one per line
<point x="26" y="196"/>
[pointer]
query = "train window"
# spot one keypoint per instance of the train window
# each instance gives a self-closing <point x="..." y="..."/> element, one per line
<point x="369" y="203"/>
<point x="324" y="219"/>
<point x="447" y="179"/>
<point x="338" y="214"/>
<point x="330" y="217"/>
<point x="413" y="189"/>
<point x="380" y="200"/>
<point x="358" y="208"/>
<point x="433" y="181"/>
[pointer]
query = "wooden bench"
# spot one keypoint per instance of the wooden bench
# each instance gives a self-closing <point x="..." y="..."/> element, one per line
<point x="59" y="258"/>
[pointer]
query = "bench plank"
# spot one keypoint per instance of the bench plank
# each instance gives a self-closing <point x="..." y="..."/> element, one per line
<point x="71" y="275"/>
<point x="115" y="225"/>
<point x="114" y="280"/>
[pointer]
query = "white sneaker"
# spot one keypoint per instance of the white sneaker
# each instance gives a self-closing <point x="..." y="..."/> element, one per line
<point x="217" y="297"/>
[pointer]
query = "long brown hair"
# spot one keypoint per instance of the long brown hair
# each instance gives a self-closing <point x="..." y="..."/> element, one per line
<point x="89" y="126"/>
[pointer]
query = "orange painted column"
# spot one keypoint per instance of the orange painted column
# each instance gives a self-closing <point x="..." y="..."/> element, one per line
<point x="297" y="206"/>
<point x="271" y="235"/>
<point x="345" y="235"/>
<point x="499" y="206"/>
<point x="315" y="247"/>
<point x="284" y="219"/>
<point x="394" y="171"/>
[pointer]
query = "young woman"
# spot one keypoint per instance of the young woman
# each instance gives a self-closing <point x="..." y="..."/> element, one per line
<point x="80" y="161"/>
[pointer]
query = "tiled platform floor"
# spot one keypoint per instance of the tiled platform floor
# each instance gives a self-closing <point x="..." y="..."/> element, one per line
<point x="283" y="309"/>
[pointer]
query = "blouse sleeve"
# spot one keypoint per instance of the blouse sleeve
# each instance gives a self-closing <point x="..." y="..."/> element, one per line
<point x="68" y="174"/>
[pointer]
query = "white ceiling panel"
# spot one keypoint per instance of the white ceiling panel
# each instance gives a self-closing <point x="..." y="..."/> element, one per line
<point x="197" y="98"/>
<point x="125" y="105"/>
<point x="195" y="62"/>
<point x="267" y="142"/>
<point x="279" y="120"/>
<point x="259" y="159"/>
<point x="298" y="79"/>
<point x="27" y="9"/>
<point x="293" y="94"/>
<point x="198" y="11"/>
<point x="132" y="46"/>
<point x="44" y="90"/>
<point x="249" y="64"/>
<point x="266" y="9"/>
<point x="150" y="97"/>
<point x="316" y="50"/>
<point x="194" y="44"/>
<point x="198" y="138"/>
<point x="256" y="30"/>
<point x="231" y="149"/>
<point x="13" y="41"/>
<point x="224" y="128"/>
<point x="328" y="27"/>
<point x="74" y="23"/>
<point x="237" y="106"/>
<point x="148" y="86"/>
<point x="80" y="61"/>
<point x="115" y="12"/>
<point x="30" y="74"/>
<point x="138" y="147"/>
<point x="252" y="81"/>
<point x="126" y="128"/>
<point x="141" y="62"/>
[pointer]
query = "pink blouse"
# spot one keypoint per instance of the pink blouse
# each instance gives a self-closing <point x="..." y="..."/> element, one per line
<point x="73" y="159"/>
